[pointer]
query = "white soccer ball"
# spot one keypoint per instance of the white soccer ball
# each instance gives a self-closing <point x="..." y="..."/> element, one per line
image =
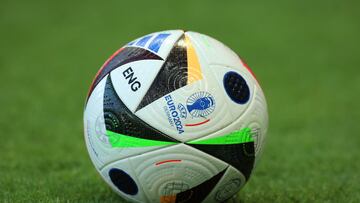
<point x="175" y="116"/>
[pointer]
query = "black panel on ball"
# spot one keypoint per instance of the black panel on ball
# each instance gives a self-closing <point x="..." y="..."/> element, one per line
<point x="201" y="191"/>
<point x="172" y="75"/>
<point x="240" y="156"/>
<point x="119" y="119"/>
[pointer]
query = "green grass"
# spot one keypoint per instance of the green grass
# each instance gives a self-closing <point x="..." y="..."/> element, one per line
<point x="304" y="53"/>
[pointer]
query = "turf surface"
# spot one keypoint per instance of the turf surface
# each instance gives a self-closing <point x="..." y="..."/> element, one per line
<point x="304" y="53"/>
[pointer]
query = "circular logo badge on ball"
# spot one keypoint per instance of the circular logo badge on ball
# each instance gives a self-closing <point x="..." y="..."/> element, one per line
<point x="236" y="87"/>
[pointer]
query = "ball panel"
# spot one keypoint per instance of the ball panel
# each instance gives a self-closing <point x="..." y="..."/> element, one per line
<point x="179" y="165"/>
<point x="132" y="80"/>
<point x="201" y="191"/>
<point x="258" y="120"/>
<point x="94" y="128"/>
<point x="172" y="75"/>
<point x="230" y="184"/>
<point x="222" y="61"/>
<point x="215" y="52"/>
<point x="239" y="155"/>
<point x="235" y="109"/>
<point x="122" y="56"/>
<point x="113" y="132"/>
<point x="123" y="121"/>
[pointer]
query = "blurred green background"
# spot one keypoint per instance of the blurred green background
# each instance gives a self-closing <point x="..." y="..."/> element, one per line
<point x="304" y="53"/>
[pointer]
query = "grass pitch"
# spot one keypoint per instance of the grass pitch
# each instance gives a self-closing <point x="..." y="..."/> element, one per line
<point x="305" y="55"/>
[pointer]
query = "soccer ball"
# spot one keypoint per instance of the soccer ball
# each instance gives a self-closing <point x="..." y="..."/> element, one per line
<point x="175" y="116"/>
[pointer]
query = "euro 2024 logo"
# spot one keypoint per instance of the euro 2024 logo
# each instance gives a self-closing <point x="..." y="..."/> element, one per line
<point x="200" y="104"/>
